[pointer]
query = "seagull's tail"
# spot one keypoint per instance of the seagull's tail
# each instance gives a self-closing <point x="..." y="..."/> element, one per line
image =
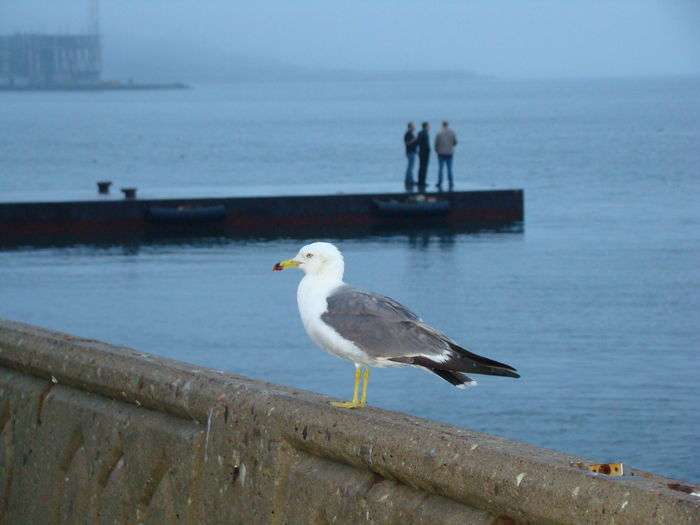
<point x="452" y="369"/>
<point x="454" y="377"/>
<point x="464" y="361"/>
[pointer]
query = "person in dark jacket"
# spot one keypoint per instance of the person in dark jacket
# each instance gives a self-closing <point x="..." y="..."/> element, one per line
<point x="411" y="143"/>
<point x="423" y="140"/>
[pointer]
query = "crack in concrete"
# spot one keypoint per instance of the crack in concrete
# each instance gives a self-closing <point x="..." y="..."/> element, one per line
<point x="76" y="441"/>
<point x="109" y="466"/>
<point x="41" y="400"/>
<point x="153" y="481"/>
<point x="9" y="459"/>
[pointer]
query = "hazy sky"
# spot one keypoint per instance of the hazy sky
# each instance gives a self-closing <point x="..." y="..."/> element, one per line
<point x="509" y="38"/>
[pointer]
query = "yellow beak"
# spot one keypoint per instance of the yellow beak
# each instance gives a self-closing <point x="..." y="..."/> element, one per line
<point x="283" y="265"/>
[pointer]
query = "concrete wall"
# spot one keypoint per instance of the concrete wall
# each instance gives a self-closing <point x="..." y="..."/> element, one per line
<point x="92" y="433"/>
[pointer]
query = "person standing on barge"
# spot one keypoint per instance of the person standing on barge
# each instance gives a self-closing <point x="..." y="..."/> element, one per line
<point x="411" y="143"/>
<point x="423" y="140"/>
<point x="445" y="143"/>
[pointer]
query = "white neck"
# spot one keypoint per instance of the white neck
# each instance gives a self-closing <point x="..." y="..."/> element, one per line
<point x="316" y="286"/>
<point x="312" y="293"/>
<point x="322" y="282"/>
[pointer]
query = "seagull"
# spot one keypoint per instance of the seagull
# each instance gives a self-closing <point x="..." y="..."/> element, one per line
<point x="372" y="330"/>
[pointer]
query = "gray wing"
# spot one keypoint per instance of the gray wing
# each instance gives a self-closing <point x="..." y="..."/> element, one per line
<point x="385" y="329"/>
<point x="381" y="327"/>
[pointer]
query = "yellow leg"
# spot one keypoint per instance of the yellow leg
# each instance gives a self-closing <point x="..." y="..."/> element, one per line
<point x="363" y="401"/>
<point x="355" y="403"/>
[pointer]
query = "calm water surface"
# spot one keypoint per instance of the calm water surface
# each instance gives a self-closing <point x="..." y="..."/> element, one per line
<point x="597" y="303"/>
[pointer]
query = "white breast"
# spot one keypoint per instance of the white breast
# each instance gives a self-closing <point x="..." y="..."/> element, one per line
<point x="311" y="298"/>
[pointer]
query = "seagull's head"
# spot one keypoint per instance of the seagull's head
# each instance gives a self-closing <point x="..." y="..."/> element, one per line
<point x="318" y="258"/>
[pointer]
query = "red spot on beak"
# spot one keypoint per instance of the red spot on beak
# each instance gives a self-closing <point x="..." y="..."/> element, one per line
<point x="277" y="267"/>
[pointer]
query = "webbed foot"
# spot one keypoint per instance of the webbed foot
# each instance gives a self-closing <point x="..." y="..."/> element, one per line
<point x="348" y="404"/>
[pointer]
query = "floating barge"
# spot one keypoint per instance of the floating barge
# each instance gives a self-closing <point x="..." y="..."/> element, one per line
<point x="97" y="219"/>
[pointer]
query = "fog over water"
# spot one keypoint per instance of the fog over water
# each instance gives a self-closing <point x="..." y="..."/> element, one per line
<point x="222" y="40"/>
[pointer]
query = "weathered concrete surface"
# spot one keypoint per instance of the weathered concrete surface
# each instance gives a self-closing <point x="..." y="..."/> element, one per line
<point x="92" y="433"/>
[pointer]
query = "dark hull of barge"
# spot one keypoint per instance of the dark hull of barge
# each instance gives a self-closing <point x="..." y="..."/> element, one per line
<point x="325" y="216"/>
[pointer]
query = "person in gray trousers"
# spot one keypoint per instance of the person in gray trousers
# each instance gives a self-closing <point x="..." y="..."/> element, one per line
<point x="445" y="142"/>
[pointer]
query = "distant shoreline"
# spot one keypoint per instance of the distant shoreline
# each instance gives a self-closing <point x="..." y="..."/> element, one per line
<point x="105" y="86"/>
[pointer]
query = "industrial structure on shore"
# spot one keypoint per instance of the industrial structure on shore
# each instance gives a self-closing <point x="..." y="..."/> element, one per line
<point x="53" y="60"/>
<point x="46" y="61"/>
<point x="41" y="61"/>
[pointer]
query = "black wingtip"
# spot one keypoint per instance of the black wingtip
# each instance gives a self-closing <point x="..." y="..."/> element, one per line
<point x="467" y="361"/>
<point x="457" y="379"/>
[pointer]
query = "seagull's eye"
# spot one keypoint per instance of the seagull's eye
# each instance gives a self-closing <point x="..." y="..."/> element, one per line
<point x="309" y="255"/>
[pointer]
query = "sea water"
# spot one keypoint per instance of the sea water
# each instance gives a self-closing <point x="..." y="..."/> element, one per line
<point x="596" y="302"/>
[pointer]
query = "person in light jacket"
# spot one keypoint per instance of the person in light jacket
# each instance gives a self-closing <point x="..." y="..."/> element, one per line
<point x="445" y="142"/>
